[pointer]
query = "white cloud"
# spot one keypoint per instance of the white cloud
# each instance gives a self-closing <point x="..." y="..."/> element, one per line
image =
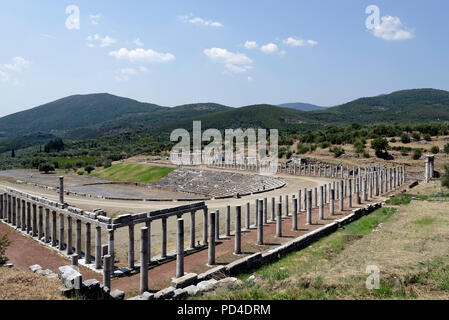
<point x="269" y="48"/>
<point x="138" y="43"/>
<point x="18" y="64"/>
<point x="190" y="18"/>
<point x="4" y="77"/>
<point x="94" y="18"/>
<point x="142" y="55"/>
<point x="290" y="41"/>
<point x="251" y="45"/>
<point x="124" y="74"/>
<point x="103" y="42"/>
<point x="233" y="62"/>
<point x="391" y="28"/>
<point x="250" y="79"/>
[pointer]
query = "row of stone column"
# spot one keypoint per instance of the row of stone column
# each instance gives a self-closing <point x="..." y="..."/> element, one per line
<point x="51" y="227"/>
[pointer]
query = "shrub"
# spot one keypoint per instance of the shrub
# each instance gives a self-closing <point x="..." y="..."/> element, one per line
<point x="289" y="154"/>
<point x="4" y="243"/>
<point x="79" y="163"/>
<point x="405" y="138"/>
<point x="337" y="151"/>
<point x="393" y="140"/>
<point x="89" y="168"/>
<point x="325" y="145"/>
<point x="80" y="173"/>
<point x="417" y="153"/>
<point x="446" y="148"/>
<point x="416" y="136"/>
<point x="107" y="163"/>
<point x="435" y="149"/>
<point x="359" y="146"/>
<point x="98" y="163"/>
<point x="68" y="166"/>
<point x="427" y="137"/>
<point x="46" y="167"/>
<point x="366" y="154"/>
<point x="301" y="149"/>
<point x="56" y="164"/>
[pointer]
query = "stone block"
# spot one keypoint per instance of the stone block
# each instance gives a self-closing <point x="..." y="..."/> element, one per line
<point x="205" y="286"/>
<point x="217" y="272"/>
<point x="180" y="294"/>
<point x="70" y="277"/>
<point x="44" y="272"/>
<point x="191" y="290"/>
<point x="165" y="294"/>
<point x="34" y="268"/>
<point x="184" y="281"/>
<point x="117" y="295"/>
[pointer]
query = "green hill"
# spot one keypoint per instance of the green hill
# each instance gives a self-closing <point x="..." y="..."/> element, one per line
<point x="407" y="106"/>
<point x="302" y="106"/>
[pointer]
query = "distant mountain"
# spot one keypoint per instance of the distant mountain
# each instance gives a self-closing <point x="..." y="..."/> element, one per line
<point x="91" y="116"/>
<point x="406" y="106"/>
<point x="302" y="106"/>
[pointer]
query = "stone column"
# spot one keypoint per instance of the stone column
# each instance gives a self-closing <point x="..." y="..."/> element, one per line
<point x="211" y="249"/>
<point x="29" y="227"/>
<point x="148" y="226"/>
<point x="180" y="249"/>
<point x="315" y="198"/>
<point x="279" y="221"/>
<point x="295" y="214"/>
<point x="287" y="213"/>
<point x="69" y="236"/>
<point x="309" y="207"/>
<point x="88" y="255"/>
<point x="364" y="195"/>
<point x="107" y="271"/>
<point x="260" y="225"/>
<point x="61" y="189"/>
<point x="111" y="247"/>
<point x="144" y="259"/>
<point x="19" y="220"/>
<point x="256" y="205"/>
<point x="332" y="202"/>
<point x="228" y="221"/>
<point x="78" y="237"/>
<point x="8" y="209"/>
<point x="34" y="221"/>
<point x="299" y="200"/>
<point x="265" y="210"/>
<point x="13" y="199"/>
<point x="1" y="207"/>
<point x="61" y="232"/>
<point x="205" y="226"/>
<point x="217" y="225"/>
<point x="325" y="194"/>
<point x="47" y="225"/>
<point x="321" y="203"/>
<point x="192" y="230"/>
<point x="131" y="246"/>
<point x="41" y="223"/>
<point x="164" y="238"/>
<point x="238" y="230"/>
<point x="350" y="194"/>
<point x="341" y="196"/>
<point x="273" y="206"/>
<point x="97" y="247"/>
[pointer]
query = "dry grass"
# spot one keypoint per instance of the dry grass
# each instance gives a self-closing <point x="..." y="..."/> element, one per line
<point x="16" y="284"/>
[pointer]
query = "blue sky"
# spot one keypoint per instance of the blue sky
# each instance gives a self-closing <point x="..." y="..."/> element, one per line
<point x="231" y="52"/>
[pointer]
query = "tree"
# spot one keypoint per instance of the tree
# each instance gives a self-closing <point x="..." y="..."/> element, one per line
<point x="46" y="167"/>
<point x="380" y="145"/>
<point x="405" y="138"/>
<point x="435" y="149"/>
<point x="417" y="153"/>
<point x="13" y="153"/>
<point x="79" y="163"/>
<point x="89" y="168"/>
<point x="427" y="137"/>
<point x="446" y="148"/>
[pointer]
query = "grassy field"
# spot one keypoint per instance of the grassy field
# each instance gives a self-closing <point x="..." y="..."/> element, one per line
<point x="406" y="241"/>
<point x="16" y="284"/>
<point x="133" y="173"/>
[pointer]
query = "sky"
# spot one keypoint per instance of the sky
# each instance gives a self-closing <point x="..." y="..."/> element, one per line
<point x="236" y="53"/>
